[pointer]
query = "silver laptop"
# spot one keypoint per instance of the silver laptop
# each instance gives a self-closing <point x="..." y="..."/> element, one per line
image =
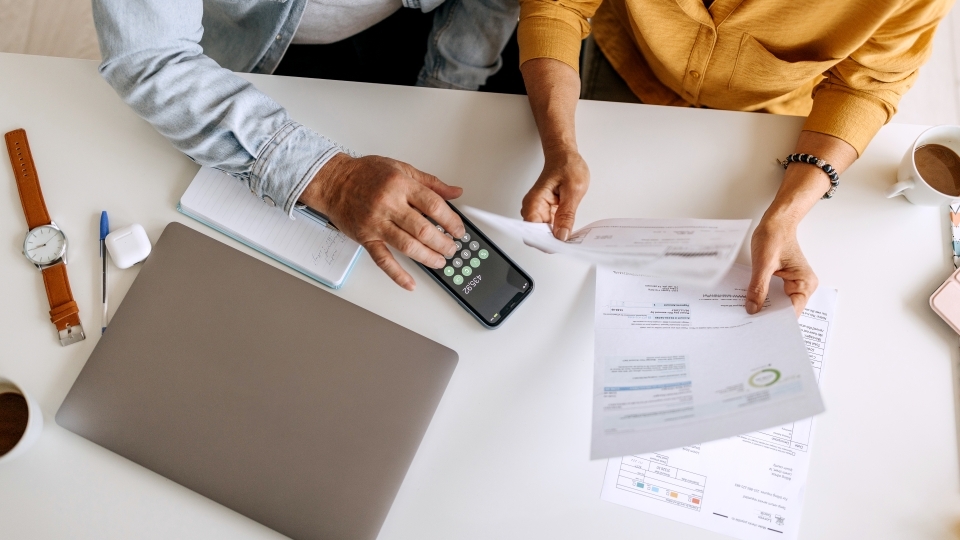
<point x="259" y="390"/>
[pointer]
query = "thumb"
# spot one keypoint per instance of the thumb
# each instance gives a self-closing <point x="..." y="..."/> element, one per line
<point x="433" y="183"/>
<point x="566" y="212"/>
<point x="757" y="290"/>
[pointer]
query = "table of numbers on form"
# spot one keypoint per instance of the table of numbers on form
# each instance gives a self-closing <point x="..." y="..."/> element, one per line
<point x="651" y="475"/>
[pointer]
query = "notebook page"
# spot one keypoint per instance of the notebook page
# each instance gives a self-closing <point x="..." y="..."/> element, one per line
<point x="227" y="204"/>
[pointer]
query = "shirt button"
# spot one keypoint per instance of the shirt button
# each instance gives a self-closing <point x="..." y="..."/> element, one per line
<point x="695" y="74"/>
<point x="278" y="37"/>
<point x="269" y="201"/>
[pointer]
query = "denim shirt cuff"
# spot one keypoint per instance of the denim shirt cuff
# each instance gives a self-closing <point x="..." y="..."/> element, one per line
<point x="289" y="161"/>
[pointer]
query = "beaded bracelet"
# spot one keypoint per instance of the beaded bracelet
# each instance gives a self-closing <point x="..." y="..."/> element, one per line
<point x="814" y="160"/>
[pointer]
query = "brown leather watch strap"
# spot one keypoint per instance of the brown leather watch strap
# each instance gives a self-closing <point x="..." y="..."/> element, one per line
<point x="63" y="310"/>
<point x="28" y="183"/>
<point x="64" y="313"/>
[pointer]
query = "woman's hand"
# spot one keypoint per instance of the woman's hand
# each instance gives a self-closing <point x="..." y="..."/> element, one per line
<point x="774" y="246"/>
<point x="776" y="252"/>
<point x="553" y="89"/>
<point x="555" y="196"/>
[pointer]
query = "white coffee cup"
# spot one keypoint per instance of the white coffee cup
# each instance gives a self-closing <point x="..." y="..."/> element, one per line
<point x="909" y="182"/>
<point x="34" y="420"/>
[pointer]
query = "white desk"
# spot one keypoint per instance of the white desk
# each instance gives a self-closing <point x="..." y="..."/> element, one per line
<point x="507" y="453"/>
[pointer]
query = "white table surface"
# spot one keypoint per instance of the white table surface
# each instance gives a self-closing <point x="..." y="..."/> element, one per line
<point x="507" y="453"/>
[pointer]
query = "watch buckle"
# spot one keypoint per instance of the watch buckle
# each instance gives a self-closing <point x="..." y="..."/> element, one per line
<point x="71" y="335"/>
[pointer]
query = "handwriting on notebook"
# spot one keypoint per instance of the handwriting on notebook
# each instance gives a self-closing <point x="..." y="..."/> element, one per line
<point x="225" y="203"/>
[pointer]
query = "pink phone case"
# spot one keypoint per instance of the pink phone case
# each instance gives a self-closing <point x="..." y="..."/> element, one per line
<point x="946" y="301"/>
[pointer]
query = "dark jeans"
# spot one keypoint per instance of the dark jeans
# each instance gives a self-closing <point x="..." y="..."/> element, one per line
<point x="598" y="80"/>
<point x="390" y="52"/>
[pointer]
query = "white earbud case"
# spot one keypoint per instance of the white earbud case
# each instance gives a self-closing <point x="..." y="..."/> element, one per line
<point x="128" y="246"/>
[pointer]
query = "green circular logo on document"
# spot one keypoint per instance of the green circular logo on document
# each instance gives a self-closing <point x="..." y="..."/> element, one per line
<point x="458" y="280"/>
<point x="448" y="271"/>
<point x="466" y="270"/>
<point x="764" y="377"/>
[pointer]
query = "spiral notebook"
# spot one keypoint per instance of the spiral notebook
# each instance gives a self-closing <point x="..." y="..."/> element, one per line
<point x="308" y="244"/>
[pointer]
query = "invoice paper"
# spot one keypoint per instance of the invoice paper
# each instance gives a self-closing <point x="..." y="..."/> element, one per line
<point x="692" y="251"/>
<point x="750" y="486"/>
<point x="676" y="365"/>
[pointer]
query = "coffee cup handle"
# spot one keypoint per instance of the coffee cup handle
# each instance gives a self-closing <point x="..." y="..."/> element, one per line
<point x="900" y="187"/>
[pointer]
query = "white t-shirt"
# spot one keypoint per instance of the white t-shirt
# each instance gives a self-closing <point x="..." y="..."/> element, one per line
<point x="328" y="21"/>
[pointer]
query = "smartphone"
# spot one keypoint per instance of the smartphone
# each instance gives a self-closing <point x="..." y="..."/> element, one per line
<point x="481" y="277"/>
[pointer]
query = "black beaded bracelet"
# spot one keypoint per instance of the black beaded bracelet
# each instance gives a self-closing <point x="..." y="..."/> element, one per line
<point x="814" y="160"/>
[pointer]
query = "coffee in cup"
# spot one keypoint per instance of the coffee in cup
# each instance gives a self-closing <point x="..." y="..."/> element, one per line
<point x="21" y="420"/>
<point x="13" y="420"/>
<point x="929" y="173"/>
<point x="939" y="166"/>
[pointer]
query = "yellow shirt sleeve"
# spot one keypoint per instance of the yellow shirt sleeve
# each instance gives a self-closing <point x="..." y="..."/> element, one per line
<point x="860" y="94"/>
<point x="554" y="29"/>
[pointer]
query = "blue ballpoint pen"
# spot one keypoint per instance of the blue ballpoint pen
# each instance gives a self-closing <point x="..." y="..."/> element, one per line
<point x="104" y="231"/>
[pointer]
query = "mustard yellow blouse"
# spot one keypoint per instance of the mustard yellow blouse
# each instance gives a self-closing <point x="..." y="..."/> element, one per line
<point x="844" y="64"/>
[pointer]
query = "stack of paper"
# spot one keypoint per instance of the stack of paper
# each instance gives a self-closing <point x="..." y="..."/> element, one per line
<point x="677" y="365"/>
<point x="750" y="486"/>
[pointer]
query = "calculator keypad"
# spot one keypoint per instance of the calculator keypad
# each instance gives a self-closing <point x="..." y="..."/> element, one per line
<point x="468" y="259"/>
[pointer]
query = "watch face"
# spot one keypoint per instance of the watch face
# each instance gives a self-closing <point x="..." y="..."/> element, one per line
<point x="44" y="245"/>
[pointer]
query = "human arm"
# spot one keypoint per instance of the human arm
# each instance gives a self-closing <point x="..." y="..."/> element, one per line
<point x="153" y="59"/>
<point x="549" y="36"/>
<point x="553" y="89"/>
<point x="861" y="92"/>
<point x="858" y="96"/>
<point x="774" y="247"/>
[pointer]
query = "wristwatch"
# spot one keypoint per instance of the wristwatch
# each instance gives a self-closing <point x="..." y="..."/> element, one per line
<point x="45" y="245"/>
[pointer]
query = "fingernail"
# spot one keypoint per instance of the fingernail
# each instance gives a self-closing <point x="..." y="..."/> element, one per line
<point x="439" y="262"/>
<point x="562" y="233"/>
<point x="453" y="250"/>
<point x="751" y="307"/>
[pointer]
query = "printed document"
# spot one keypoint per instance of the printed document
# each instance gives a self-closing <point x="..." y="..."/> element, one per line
<point x="690" y="251"/>
<point x="676" y="365"/>
<point x="750" y="486"/>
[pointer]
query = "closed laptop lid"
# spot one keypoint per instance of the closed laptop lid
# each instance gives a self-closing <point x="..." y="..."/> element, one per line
<point x="259" y="390"/>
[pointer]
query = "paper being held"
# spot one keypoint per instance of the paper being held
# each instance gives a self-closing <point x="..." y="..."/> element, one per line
<point x="677" y="365"/>
<point x="750" y="486"/>
<point x="691" y="251"/>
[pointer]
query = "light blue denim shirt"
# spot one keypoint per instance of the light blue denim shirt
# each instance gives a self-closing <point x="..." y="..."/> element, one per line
<point x="173" y="62"/>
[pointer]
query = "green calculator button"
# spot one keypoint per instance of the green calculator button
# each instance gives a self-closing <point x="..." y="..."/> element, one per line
<point x="474" y="262"/>
<point x="448" y="271"/>
<point x="466" y="270"/>
<point x="483" y="254"/>
<point x="458" y="280"/>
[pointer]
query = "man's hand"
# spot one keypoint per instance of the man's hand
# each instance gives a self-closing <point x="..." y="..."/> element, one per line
<point x="379" y="201"/>
<point x="776" y="252"/>
<point x="555" y="196"/>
